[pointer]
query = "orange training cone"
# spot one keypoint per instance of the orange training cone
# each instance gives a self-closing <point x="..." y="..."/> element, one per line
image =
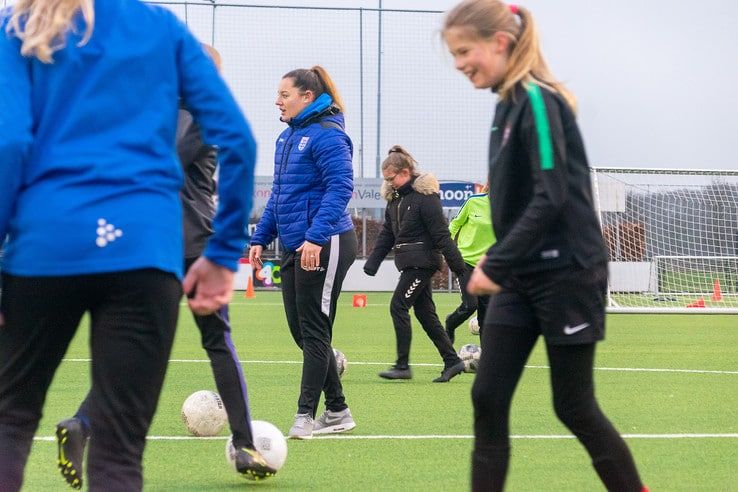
<point x="699" y="303"/>
<point x="717" y="294"/>
<point x="249" y="294"/>
<point x="359" y="300"/>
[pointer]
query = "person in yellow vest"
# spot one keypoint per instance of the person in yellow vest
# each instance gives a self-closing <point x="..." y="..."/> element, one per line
<point x="472" y="231"/>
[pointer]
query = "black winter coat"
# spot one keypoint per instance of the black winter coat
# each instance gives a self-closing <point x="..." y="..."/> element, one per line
<point x="414" y="226"/>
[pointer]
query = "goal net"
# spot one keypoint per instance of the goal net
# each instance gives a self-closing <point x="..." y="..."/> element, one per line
<point x="672" y="237"/>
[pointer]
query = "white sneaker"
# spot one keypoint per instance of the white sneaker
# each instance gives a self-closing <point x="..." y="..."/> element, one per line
<point x="334" y="422"/>
<point x="302" y="428"/>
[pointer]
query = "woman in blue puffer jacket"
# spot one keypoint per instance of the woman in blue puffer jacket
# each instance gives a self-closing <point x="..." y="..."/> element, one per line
<point x="313" y="183"/>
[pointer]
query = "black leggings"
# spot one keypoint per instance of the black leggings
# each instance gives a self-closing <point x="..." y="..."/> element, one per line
<point x="506" y="349"/>
<point x="132" y="320"/>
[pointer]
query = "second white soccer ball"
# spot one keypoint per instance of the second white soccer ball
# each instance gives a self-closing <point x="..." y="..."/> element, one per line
<point x="474" y="326"/>
<point x="341" y="362"/>
<point x="203" y="413"/>
<point x="268" y="441"/>
<point x="470" y="354"/>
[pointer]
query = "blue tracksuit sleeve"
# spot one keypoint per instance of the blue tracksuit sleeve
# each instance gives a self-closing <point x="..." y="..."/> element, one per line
<point x="266" y="229"/>
<point x="332" y="155"/>
<point x="222" y="125"/>
<point x="15" y="123"/>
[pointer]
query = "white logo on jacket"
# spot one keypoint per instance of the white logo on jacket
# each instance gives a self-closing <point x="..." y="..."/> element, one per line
<point x="106" y="233"/>
<point x="303" y="143"/>
<point x="412" y="288"/>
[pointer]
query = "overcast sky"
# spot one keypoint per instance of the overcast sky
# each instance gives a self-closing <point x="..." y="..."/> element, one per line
<point x="657" y="81"/>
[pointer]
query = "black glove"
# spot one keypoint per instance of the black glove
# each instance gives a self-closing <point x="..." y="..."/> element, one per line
<point x="370" y="271"/>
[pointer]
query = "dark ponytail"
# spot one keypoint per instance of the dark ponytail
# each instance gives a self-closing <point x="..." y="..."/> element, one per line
<point x="317" y="81"/>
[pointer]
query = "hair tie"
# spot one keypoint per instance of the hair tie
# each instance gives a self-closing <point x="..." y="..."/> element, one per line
<point x="513" y="9"/>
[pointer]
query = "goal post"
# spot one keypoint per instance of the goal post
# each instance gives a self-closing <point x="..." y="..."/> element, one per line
<point x="672" y="239"/>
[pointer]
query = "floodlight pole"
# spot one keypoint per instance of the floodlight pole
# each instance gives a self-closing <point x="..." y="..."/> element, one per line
<point x="379" y="88"/>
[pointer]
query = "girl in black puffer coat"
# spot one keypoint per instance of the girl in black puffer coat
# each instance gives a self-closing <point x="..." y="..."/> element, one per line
<point x="415" y="228"/>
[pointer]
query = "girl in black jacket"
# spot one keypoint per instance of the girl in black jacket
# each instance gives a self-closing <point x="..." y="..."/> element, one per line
<point x="548" y="268"/>
<point x="414" y="226"/>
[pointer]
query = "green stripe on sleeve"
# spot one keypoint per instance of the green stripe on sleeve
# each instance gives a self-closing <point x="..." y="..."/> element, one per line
<point x="545" y="149"/>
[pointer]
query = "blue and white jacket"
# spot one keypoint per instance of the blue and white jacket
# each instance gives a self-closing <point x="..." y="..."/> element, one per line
<point x="89" y="176"/>
<point x="313" y="180"/>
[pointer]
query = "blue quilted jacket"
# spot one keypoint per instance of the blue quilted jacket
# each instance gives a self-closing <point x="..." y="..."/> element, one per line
<point x="313" y="180"/>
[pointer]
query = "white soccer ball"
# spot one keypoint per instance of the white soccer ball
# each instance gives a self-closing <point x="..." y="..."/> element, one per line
<point x="203" y="413"/>
<point x="470" y="354"/>
<point x="268" y="440"/>
<point x="474" y="326"/>
<point x="341" y="362"/>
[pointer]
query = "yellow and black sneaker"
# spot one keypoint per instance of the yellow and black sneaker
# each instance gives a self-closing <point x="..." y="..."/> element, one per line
<point x="252" y="465"/>
<point x="71" y="440"/>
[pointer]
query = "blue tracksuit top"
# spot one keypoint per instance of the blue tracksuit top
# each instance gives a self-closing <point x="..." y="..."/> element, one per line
<point x="313" y="180"/>
<point x="89" y="176"/>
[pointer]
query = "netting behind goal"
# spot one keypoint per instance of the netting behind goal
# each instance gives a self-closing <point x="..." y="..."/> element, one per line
<point x="672" y="237"/>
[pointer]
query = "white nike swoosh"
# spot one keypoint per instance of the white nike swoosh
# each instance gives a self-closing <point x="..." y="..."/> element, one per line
<point x="570" y="330"/>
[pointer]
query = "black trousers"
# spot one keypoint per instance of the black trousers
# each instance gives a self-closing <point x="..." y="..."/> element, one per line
<point x="469" y="304"/>
<point x="310" y="299"/>
<point x="215" y="334"/>
<point x="414" y="289"/>
<point x="507" y="345"/>
<point x="133" y="316"/>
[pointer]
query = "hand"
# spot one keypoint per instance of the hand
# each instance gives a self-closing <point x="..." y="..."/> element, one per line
<point x="255" y="252"/>
<point x="480" y="284"/>
<point x="211" y="284"/>
<point x="370" y="272"/>
<point x="309" y="256"/>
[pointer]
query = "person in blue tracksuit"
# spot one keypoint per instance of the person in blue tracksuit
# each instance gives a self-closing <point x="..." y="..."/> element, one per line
<point x="313" y="183"/>
<point x="199" y="162"/>
<point x="90" y="183"/>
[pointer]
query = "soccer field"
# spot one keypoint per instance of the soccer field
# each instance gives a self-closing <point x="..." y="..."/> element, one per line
<point x="668" y="382"/>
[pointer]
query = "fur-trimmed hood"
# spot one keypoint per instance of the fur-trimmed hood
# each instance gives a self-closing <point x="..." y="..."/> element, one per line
<point x="425" y="184"/>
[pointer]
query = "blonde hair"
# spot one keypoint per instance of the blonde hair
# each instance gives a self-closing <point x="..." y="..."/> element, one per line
<point x="483" y="18"/>
<point x="398" y="159"/>
<point x="42" y="25"/>
<point x="316" y="80"/>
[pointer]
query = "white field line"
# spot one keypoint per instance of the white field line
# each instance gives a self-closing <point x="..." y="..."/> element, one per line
<point x="369" y="305"/>
<point x="423" y="364"/>
<point x="438" y="436"/>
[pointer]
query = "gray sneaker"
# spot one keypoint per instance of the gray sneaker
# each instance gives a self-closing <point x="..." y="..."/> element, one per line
<point x="302" y="428"/>
<point x="334" y="422"/>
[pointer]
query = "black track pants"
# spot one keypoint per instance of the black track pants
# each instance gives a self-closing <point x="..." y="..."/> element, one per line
<point x="469" y="304"/>
<point x="310" y="299"/>
<point x="414" y="289"/>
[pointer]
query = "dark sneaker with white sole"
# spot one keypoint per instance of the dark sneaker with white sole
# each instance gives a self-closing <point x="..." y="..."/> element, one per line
<point x="334" y="422"/>
<point x="450" y="372"/>
<point x="71" y="440"/>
